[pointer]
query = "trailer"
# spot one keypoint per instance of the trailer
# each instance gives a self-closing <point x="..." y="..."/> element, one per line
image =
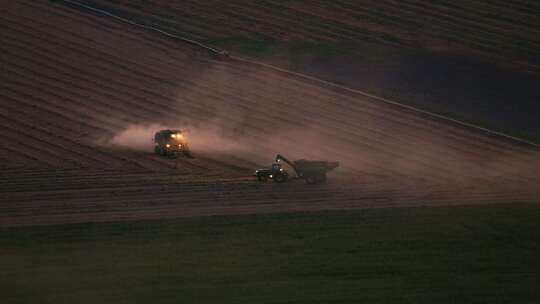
<point x="312" y="171"/>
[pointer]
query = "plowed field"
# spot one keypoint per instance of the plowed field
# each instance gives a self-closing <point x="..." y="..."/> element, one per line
<point x="81" y="96"/>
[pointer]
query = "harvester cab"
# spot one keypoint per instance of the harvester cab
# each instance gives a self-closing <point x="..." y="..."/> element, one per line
<point x="171" y="143"/>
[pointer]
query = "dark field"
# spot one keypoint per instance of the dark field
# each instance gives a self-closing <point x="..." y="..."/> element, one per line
<point x="475" y="61"/>
<point x="466" y="254"/>
<point x="421" y="210"/>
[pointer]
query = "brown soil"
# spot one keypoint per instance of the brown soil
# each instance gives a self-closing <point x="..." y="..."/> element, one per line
<point x="72" y="82"/>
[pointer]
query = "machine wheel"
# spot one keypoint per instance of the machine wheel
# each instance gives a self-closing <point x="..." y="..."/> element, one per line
<point x="280" y="178"/>
<point x="262" y="178"/>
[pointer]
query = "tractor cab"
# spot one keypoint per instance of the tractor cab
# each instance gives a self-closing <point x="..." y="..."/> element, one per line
<point x="275" y="173"/>
<point x="276" y="168"/>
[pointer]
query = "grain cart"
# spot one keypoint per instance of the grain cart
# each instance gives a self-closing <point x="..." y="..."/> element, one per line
<point x="171" y="143"/>
<point x="312" y="171"/>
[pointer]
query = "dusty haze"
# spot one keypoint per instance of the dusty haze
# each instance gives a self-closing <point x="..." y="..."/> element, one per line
<point x="255" y="116"/>
<point x="80" y="127"/>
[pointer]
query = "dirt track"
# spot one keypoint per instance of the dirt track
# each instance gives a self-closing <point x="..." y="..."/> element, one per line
<point x="72" y="81"/>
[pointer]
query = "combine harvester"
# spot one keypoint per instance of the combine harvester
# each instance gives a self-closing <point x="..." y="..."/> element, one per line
<point x="171" y="143"/>
<point x="312" y="171"/>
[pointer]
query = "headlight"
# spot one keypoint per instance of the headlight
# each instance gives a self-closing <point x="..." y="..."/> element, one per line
<point x="173" y="135"/>
<point x="180" y="146"/>
<point x="179" y="136"/>
<point x="167" y="145"/>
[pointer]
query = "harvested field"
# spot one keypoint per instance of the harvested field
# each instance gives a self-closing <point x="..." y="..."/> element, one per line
<point x="82" y="94"/>
<point x="474" y="61"/>
<point x="493" y="29"/>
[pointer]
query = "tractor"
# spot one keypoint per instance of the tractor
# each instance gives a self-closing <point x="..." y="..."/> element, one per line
<point x="312" y="171"/>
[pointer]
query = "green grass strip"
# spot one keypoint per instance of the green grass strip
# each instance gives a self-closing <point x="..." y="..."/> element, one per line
<point x="467" y="254"/>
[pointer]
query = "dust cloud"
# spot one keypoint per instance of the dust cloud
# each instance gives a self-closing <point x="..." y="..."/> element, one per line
<point x="207" y="141"/>
<point x="137" y="137"/>
<point x="255" y="116"/>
